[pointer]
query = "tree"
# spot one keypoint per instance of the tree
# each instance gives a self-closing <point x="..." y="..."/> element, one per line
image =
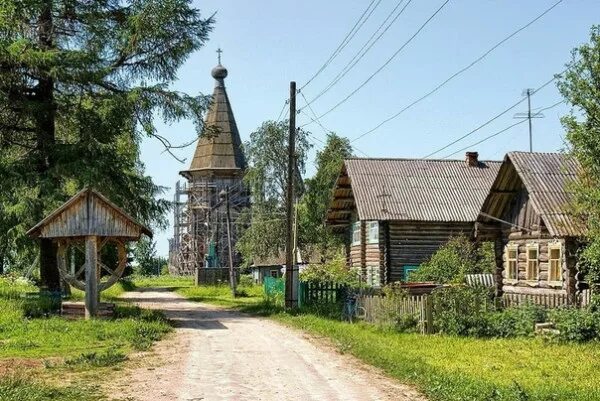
<point x="580" y="86"/>
<point x="266" y="178"/>
<point x="148" y="263"/>
<point x="317" y="198"/>
<point x="80" y="83"/>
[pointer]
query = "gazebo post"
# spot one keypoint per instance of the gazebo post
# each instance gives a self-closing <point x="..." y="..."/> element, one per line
<point x="91" y="279"/>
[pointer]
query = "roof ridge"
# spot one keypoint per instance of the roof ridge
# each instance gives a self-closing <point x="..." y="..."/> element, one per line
<point x="415" y="159"/>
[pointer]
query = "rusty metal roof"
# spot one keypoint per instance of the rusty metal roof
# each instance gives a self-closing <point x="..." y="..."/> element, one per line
<point x="219" y="148"/>
<point x="411" y="190"/>
<point x="547" y="177"/>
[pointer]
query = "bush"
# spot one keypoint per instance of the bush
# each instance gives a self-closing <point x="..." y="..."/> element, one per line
<point x="511" y="322"/>
<point x="246" y="280"/>
<point x="333" y="271"/>
<point x="390" y="315"/>
<point x="577" y="325"/>
<point x="461" y="310"/>
<point x="458" y="257"/>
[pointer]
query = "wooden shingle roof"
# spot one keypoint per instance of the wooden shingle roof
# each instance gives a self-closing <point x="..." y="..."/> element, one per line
<point x="219" y="148"/>
<point x="548" y="178"/>
<point x="89" y="213"/>
<point x="411" y="190"/>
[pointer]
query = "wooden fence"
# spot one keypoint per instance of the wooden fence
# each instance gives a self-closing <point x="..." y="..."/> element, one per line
<point x="384" y="310"/>
<point x="214" y="275"/>
<point x="545" y="300"/>
<point x="312" y="292"/>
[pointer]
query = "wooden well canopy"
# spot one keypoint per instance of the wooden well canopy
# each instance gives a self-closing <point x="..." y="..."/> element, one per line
<point x="90" y="221"/>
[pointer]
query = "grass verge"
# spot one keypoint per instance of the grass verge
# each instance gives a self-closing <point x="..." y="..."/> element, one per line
<point x="27" y="333"/>
<point x="444" y="367"/>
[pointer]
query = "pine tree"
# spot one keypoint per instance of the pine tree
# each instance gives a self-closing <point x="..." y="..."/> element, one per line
<point x="80" y="83"/>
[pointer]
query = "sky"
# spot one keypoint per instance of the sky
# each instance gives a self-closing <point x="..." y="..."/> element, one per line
<point x="268" y="43"/>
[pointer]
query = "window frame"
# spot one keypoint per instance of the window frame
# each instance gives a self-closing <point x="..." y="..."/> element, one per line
<point x="507" y="269"/>
<point x="373" y="272"/>
<point x="372" y="232"/>
<point x="531" y="247"/>
<point x="555" y="246"/>
<point x="356" y="228"/>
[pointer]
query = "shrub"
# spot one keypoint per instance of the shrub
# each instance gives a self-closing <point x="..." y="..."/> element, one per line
<point x="461" y="310"/>
<point x="246" y="280"/>
<point x="517" y="321"/>
<point x="333" y="271"/>
<point x="577" y="325"/>
<point x="389" y="314"/>
<point x="458" y="257"/>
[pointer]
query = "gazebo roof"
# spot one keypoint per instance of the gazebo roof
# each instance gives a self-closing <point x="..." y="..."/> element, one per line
<point x="89" y="213"/>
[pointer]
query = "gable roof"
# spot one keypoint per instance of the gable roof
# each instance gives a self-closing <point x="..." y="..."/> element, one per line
<point x="411" y="190"/>
<point x="88" y="213"/>
<point x="547" y="178"/>
<point x="220" y="147"/>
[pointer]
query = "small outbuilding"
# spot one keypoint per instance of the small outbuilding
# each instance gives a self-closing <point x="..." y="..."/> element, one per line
<point x="395" y="213"/>
<point x="528" y="214"/>
<point x="89" y="222"/>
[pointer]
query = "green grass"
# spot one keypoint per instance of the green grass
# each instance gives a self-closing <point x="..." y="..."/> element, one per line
<point x="248" y="296"/>
<point x="22" y="388"/>
<point x="39" y="337"/>
<point x="443" y="367"/>
<point x="166" y="281"/>
<point x="27" y="332"/>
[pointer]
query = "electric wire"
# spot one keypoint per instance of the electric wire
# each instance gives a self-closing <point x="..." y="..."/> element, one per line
<point x="500" y="132"/>
<point x="459" y="72"/>
<point x="343" y="44"/>
<point x="494" y="118"/>
<point x="389" y="60"/>
<point x="364" y="49"/>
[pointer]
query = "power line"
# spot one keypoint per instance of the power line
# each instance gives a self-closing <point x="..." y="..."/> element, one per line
<point x="282" y="109"/>
<point x="500" y="132"/>
<point x="387" y="62"/>
<point x="344" y="42"/>
<point x="494" y="118"/>
<point x="459" y="72"/>
<point x="360" y="54"/>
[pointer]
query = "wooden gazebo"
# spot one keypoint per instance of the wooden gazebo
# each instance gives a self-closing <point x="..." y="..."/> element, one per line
<point x="89" y="222"/>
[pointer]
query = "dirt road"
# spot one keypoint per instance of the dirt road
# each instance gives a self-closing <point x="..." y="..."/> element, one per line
<point x="217" y="354"/>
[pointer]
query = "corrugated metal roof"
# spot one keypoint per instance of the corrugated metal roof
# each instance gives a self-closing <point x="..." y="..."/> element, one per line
<point x="548" y="178"/>
<point x="419" y="189"/>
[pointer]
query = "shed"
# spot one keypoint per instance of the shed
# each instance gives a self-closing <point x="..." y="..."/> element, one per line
<point x="90" y="218"/>
<point x="395" y="213"/>
<point x="528" y="214"/>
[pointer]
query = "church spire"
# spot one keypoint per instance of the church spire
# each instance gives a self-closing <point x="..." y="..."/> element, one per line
<point x="219" y="149"/>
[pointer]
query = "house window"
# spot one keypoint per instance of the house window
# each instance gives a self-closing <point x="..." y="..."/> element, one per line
<point x="372" y="232"/>
<point x="373" y="276"/>
<point x="512" y="262"/>
<point x="554" y="265"/>
<point x="532" y="262"/>
<point x="274" y="273"/>
<point x="356" y="233"/>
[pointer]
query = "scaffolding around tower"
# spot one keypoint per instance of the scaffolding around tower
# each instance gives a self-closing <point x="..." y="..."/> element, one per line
<point x="200" y="223"/>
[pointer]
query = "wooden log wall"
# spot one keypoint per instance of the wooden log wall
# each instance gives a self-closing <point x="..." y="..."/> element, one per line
<point x="541" y="285"/>
<point x="412" y="243"/>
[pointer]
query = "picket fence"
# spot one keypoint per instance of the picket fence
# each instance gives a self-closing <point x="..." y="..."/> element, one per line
<point x="545" y="300"/>
<point x="378" y="309"/>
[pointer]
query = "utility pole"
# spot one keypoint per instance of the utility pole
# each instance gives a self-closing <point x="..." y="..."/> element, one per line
<point x="529" y="115"/>
<point x="291" y="272"/>
<point x="224" y="195"/>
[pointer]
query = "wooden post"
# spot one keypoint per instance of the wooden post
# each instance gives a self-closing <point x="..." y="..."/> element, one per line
<point x="291" y="272"/>
<point x="91" y="278"/>
<point x="499" y="258"/>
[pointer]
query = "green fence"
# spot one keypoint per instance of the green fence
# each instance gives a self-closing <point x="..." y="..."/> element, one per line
<point x="308" y="292"/>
